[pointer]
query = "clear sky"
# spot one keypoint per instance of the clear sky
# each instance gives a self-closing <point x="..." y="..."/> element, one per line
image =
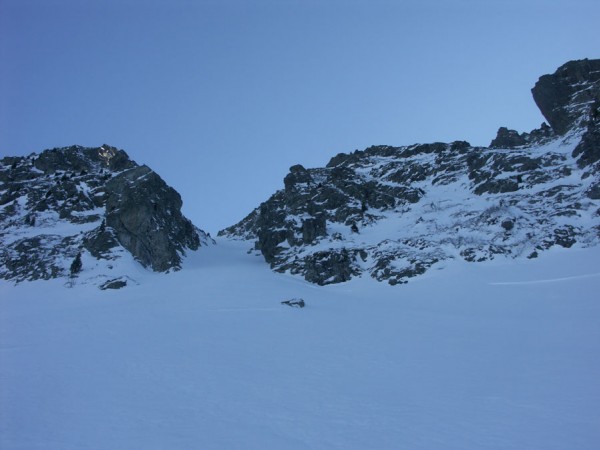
<point x="222" y="97"/>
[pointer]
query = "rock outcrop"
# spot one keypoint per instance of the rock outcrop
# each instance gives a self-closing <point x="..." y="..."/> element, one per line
<point x="567" y="97"/>
<point x="394" y="212"/>
<point x="145" y="216"/>
<point x="65" y="201"/>
<point x="506" y="138"/>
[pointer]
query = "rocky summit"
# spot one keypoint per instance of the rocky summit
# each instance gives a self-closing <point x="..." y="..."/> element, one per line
<point x="396" y="212"/>
<point x="71" y="204"/>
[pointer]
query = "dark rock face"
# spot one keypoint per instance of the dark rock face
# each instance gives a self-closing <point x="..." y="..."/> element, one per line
<point x="506" y="138"/>
<point x="588" y="150"/>
<point x="145" y="215"/>
<point x="565" y="97"/>
<point x="395" y="212"/>
<point x="77" y="159"/>
<point x="64" y="201"/>
<point x="328" y="267"/>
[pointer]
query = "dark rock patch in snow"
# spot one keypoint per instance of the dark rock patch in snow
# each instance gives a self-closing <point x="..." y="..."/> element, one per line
<point x="117" y="283"/>
<point x="294" y="303"/>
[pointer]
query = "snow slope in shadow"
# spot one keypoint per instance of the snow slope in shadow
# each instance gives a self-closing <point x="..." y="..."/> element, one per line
<point x="488" y="356"/>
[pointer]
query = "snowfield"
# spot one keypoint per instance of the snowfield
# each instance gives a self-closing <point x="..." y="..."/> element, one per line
<point x="497" y="355"/>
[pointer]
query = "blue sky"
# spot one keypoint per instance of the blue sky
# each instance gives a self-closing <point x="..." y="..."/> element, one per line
<point x="222" y="97"/>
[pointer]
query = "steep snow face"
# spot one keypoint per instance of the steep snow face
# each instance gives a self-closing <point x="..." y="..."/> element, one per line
<point x="496" y="355"/>
<point x="394" y="212"/>
<point x="93" y="202"/>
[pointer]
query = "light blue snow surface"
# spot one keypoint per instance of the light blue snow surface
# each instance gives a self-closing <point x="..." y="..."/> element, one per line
<point x="497" y="355"/>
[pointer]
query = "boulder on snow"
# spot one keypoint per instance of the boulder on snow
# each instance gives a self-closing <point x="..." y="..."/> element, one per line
<point x="117" y="283"/>
<point x="294" y="303"/>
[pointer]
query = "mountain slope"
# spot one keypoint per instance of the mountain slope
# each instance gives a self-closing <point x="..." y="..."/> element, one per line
<point x="496" y="355"/>
<point x="394" y="212"/>
<point x="94" y="204"/>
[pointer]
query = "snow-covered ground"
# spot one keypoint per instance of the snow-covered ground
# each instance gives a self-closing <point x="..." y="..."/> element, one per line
<point x="496" y="355"/>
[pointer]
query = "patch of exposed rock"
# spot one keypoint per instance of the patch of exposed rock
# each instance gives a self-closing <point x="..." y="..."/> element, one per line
<point x="145" y="216"/>
<point x="566" y="97"/>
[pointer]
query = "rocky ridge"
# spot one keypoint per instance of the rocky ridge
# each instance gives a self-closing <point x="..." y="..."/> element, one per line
<point x="395" y="212"/>
<point x="70" y="202"/>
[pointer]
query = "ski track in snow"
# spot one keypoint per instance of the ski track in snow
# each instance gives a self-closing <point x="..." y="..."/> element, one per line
<point x="208" y="358"/>
<point x="551" y="280"/>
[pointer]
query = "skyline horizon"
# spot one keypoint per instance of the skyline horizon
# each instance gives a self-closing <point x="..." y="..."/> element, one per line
<point x="221" y="98"/>
<point x="214" y="233"/>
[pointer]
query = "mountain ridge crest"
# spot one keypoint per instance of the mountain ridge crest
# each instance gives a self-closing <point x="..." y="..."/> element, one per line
<point x="394" y="212"/>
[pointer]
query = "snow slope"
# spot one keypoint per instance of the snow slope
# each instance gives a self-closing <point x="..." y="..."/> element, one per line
<point x="495" y="355"/>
